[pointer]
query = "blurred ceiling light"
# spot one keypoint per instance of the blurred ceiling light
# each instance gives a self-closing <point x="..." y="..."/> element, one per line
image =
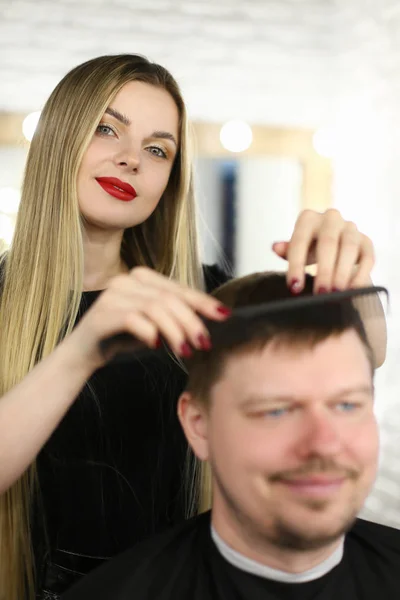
<point x="236" y="136"/>
<point x="6" y="229"/>
<point x="325" y="142"/>
<point x="29" y="125"/>
<point x="9" y="200"/>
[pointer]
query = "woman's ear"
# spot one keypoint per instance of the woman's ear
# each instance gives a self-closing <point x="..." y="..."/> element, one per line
<point x="193" y="417"/>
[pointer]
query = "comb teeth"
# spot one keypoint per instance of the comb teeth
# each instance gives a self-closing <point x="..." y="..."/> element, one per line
<point x="362" y="306"/>
<point x="365" y="293"/>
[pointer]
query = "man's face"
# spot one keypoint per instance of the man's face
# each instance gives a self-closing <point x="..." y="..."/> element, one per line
<point x="292" y="440"/>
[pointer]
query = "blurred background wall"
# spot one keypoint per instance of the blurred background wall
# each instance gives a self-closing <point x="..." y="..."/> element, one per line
<point x="315" y="86"/>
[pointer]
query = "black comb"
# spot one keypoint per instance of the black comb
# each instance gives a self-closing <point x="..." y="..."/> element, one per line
<point x="126" y="347"/>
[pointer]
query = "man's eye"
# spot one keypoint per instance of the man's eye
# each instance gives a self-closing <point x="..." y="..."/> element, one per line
<point x="270" y="413"/>
<point x="276" y="412"/>
<point x="347" y="406"/>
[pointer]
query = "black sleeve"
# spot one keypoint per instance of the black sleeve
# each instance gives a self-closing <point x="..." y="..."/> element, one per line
<point x="215" y="276"/>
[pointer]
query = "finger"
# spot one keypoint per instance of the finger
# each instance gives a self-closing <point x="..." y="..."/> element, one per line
<point x="165" y="310"/>
<point x="143" y="328"/>
<point x="327" y="249"/>
<point x="199" y="301"/>
<point x="111" y="308"/>
<point x="348" y="257"/>
<point x="366" y="263"/>
<point x="304" y="233"/>
<point x="111" y="315"/>
<point x="194" y="329"/>
<point x="280" y="248"/>
<point x="171" y="328"/>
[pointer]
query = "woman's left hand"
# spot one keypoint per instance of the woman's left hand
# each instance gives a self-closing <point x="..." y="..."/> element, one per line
<point x="344" y="256"/>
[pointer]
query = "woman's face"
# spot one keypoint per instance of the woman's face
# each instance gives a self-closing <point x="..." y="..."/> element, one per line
<point x="126" y="167"/>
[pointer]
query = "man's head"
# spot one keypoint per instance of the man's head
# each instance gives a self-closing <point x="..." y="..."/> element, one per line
<point x="282" y="409"/>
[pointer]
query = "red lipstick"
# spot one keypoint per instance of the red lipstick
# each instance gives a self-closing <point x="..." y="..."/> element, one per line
<point x="117" y="188"/>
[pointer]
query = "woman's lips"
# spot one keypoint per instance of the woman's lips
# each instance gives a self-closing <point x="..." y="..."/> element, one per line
<point x="117" y="188"/>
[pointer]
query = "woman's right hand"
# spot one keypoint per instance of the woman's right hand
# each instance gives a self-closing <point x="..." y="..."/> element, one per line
<point x="147" y="305"/>
<point x="142" y="303"/>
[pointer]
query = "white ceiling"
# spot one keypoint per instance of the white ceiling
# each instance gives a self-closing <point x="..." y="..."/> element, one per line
<point x="269" y="61"/>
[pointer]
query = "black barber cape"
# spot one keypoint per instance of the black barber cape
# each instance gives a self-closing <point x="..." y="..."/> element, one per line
<point x="185" y="564"/>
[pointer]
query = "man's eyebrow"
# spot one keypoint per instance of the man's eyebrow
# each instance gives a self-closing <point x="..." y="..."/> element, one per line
<point x="117" y="115"/>
<point x="164" y="135"/>
<point x="255" y="399"/>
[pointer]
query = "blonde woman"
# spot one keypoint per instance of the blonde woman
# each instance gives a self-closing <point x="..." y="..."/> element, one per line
<point x="92" y="457"/>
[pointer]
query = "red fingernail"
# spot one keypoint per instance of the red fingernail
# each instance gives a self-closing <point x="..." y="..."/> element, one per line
<point x="204" y="342"/>
<point x="186" y="351"/>
<point x="336" y="289"/>
<point x="295" y="286"/>
<point x="224" y="310"/>
<point x="322" y="290"/>
<point x="158" y="343"/>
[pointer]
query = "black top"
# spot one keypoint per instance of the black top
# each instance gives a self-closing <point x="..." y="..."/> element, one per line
<point x="185" y="564"/>
<point x="112" y="473"/>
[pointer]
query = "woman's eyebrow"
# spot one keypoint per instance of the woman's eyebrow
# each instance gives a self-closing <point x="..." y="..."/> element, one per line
<point x="164" y="135"/>
<point x="117" y="115"/>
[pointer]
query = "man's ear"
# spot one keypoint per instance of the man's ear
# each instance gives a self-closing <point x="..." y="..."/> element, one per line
<point x="194" y="420"/>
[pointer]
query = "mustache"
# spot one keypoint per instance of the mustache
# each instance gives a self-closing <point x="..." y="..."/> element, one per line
<point x="317" y="466"/>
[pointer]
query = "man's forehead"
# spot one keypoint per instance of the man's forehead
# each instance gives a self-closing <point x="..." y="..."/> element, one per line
<point x="335" y="361"/>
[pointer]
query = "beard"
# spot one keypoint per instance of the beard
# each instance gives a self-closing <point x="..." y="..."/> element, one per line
<point x="285" y="531"/>
<point x="288" y="536"/>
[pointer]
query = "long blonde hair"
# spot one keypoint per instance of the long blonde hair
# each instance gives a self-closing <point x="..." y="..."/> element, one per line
<point x="43" y="270"/>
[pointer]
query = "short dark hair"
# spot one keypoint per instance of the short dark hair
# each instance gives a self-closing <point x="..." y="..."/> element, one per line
<point x="305" y="326"/>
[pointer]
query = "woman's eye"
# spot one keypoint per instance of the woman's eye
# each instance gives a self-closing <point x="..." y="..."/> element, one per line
<point x="157" y="151"/>
<point x="104" y="130"/>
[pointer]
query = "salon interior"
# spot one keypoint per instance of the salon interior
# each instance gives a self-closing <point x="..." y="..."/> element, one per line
<point x="294" y="104"/>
